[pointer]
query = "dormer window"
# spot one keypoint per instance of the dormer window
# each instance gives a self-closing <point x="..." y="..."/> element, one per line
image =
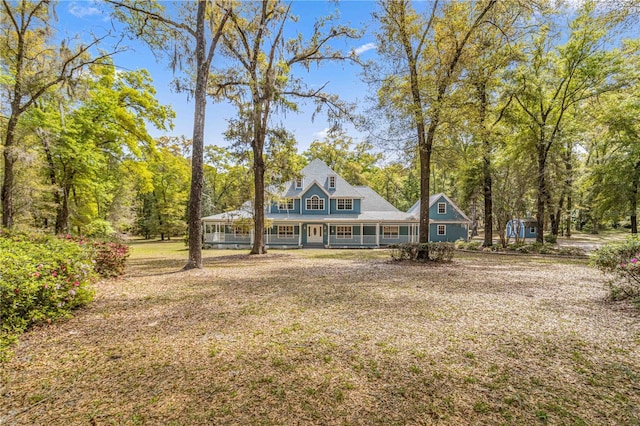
<point x="332" y="182"/>
<point x="298" y="183"/>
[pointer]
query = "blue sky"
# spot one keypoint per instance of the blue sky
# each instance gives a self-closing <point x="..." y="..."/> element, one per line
<point x="84" y="17"/>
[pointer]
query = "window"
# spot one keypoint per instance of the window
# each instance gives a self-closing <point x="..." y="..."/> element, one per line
<point x="344" y="231"/>
<point x="332" y="182"/>
<point x="298" y="183"/>
<point x="286" y="204"/>
<point x="532" y="229"/>
<point x="344" y="204"/>
<point x="240" y="231"/>
<point x="442" y="229"/>
<point x="285" y="231"/>
<point x="390" y="231"/>
<point x="442" y="208"/>
<point x="315" y="203"/>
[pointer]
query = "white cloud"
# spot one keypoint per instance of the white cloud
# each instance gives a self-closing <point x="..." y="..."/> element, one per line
<point x="82" y="11"/>
<point x="364" y="48"/>
<point x="322" y="134"/>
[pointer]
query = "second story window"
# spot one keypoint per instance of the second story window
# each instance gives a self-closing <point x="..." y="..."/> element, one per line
<point x="286" y="204"/>
<point x="298" y="183"/>
<point x="442" y="208"/>
<point x="344" y="204"/>
<point x="332" y="182"/>
<point x="315" y="203"/>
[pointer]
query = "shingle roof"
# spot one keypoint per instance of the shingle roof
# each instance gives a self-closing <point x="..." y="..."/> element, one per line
<point x="318" y="172"/>
<point x="415" y="209"/>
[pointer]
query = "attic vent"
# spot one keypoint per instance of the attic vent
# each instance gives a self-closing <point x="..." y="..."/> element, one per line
<point x="332" y="182"/>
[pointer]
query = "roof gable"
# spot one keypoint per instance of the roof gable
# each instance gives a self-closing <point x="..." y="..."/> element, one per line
<point x="415" y="209"/>
<point x="317" y="171"/>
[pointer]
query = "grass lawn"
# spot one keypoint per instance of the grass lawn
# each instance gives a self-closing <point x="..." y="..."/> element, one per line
<point x="333" y="337"/>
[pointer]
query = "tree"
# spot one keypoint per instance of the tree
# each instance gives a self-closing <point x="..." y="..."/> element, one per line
<point x="354" y="162"/>
<point x="85" y="139"/>
<point x="33" y="65"/>
<point x="196" y="37"/>
<point x="555" y="78"/>
<point x="425" y="53"/>
<point x="493" y="50"/>
<point x="260" y="80"/>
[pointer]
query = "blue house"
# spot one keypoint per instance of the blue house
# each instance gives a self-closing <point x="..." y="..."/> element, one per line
<point x="321" y="209"/>
<point x="446" y="221"/>
<point x="522" y="228"/>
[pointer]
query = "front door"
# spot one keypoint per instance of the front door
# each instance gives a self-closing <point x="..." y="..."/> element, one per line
<point x="314" y="234"/>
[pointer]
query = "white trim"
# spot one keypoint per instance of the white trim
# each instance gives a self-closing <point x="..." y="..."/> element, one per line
<point x="309" y="201"/>
<point x="332" y="181"/>
<point x="344" y="200"/>
<point x="444" y="205"/>
<point x="390" y="235"/>
<point x="444" y="228"/>
<point x="285" y="203"/>
<point x="344" y="237"/>
<point x="436" y="197"/>
<point x="286" y="235"/>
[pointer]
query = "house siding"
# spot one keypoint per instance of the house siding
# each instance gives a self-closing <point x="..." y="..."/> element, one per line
<point x="357" y="206"/>
<point x="450" y="214"/>
<point x="315" y="190"/>
<point x="454" y="232"/>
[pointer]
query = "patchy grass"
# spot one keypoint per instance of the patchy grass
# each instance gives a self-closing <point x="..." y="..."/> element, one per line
<point x="333" y="337"/>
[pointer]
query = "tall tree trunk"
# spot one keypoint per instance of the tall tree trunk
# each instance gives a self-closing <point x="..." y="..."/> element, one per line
<point x="197" y="154"/>
<point x="568" y="216"/>
<point x="62" y="217"/>
<point x="542" y="188"/>
<point x="634" y="198"/>
<point x="258" y="214"/>
<point x="486" y="165"/>
<point x="8" y="178"/>
<point x="568" y="186"/>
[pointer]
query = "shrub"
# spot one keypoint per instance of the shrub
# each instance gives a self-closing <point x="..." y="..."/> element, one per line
<point x="41" y="278"/>
<point x="110" y="258"/>
<point x="550" y="239"/>
<point x="621" y="262"/>
<point x="572" y="251"/>
<point x="437" y="252"/>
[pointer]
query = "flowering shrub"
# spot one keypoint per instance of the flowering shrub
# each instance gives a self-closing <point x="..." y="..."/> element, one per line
<point x="110" y="258"/>
<point x="41" y="278"/>
<point x="621" y="262"/>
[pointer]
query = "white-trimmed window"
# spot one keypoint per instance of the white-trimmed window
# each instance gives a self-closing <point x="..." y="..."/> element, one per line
<point x="332" y="182"/>
<point x="532" y="229"/>
<point x="344" y="204"/>
<point x="285" y="231"/>
<point x="390" y="231"/>
<point x="286" y="204"/>
<point x="442" y="208"/>
<point x="442" y="229"/>
<point x="298" y="183"/>
<point x="315" y="203"/>
<point x="344" y="231"/>
<point x="240" y="231"/>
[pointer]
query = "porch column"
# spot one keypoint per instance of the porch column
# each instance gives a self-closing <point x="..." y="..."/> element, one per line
<point x="329" y="234"/>
<point x="378" y="234"/>
<point x="361" y="233"/>
<point x="300" y="234"/>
